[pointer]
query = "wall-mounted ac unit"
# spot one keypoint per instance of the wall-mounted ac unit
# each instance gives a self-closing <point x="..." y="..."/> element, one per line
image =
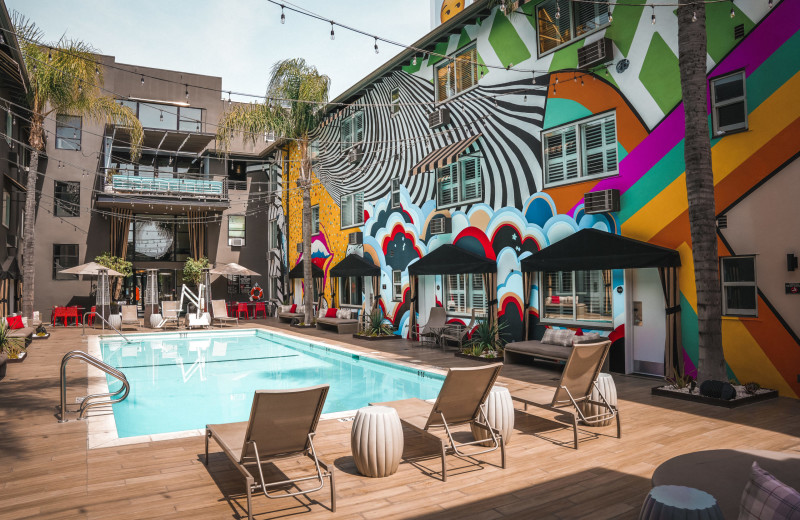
<point x="236" y="242"/>
<point x="595" y="53"/>
<point x="269" y="137"/>
<point x="300" y="247"/>
<point x="602" y="201"/>
<point x="722" y="222"/>
<point x="441" y="225"/>
<point x="439" y="117"/>
<point x="355" y="154"/>
<point x="355" y="239"/>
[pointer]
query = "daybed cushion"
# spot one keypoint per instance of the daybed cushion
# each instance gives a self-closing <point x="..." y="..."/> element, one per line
<point x="534" y="348"/>
<point x="336" y="321"/>
<point x="25" y="332"/>
<point x="767" y="498"/>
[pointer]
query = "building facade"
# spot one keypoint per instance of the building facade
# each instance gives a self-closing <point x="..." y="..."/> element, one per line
<point x="456" y="146"/>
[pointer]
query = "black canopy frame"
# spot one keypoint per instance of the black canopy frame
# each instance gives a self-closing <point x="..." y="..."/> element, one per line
<point x="354" y="265"/>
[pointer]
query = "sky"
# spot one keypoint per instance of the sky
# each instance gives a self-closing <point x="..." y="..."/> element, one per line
<point x="238" y="40"/>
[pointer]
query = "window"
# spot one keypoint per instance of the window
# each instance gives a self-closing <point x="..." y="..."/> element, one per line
<point x="313" y="151"/>
<point x="190" y="119"/>
<point x="314" y="220"/>
<point x="578" y="151"/>
<point x="395" y="193"/>
<point x="352" y="207"/>
<point x="6" y="208"/>
<point x="583" y="296"/>
<point x="64" y="257"/>
<point x="459" y="182"/>
<point x="463" y="293"/>
<point x="560" y="21"/>
<point x="397" y="286"/>
<point x="67" y="199"/>
<point x="457" y="74"/>
<point x="352" y="130"/>
<point x="350" y="290"/>
<point x="739" y="291"/>
<point x="395" y="99"/>
<point x="236" y="226"/>
<point x="728" y="103"/>
<point x="68" y="132"/>
<point x="274" y="235"/>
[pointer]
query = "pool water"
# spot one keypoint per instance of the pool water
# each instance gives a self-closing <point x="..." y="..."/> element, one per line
<point x="183" y="381"/>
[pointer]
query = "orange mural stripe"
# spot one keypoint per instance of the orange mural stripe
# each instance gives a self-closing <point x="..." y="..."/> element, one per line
<point x="565" y="197"/>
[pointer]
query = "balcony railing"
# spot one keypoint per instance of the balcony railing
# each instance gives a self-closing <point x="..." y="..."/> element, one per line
<point x="208" y="188"/>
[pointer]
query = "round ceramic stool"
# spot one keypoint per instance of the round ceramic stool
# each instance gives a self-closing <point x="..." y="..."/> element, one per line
<point x="679" y="502"/>
<point x="377" y="441"/>
<point x="606" y="384"/>
<point x="115" y="320"/>
<point x="500" y="413"/>
<point x="155" y="320"/>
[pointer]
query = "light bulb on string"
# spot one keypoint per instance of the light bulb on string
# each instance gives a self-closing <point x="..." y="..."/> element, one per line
<point x="533" y="78"/>
<point x="187" y="92"/>
<point x="333" y="35"/>
<point x="414" y="61"/>
<point x="80" y="86"/>
<point x="733" y="12"/>
<point x="558" y="11"/>
<point x="610" y="17"/>
<point x="694" y="16"/>
<point x="49" y="54"/>
<point x="525" y="98"/>
<point x="161" y="115"/>
<point x="229" y="99"/>
<point x="96" y="70"/>
<point x="376" y="45"/>
<point x="653" y="17"/>
<point x="283" y="16"/>
<point x="142" y="80"/>
<point x="769" y="4"/>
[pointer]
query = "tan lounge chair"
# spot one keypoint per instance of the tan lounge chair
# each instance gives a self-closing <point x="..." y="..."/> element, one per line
<point x="282" y="424"/>
<point x="461" y="401"/>
<point x="457" y="333"/>
<point x="437" y="321"/>
<point x="130" y="317"/>
<point x="169" y="314"/>
<point x="220" y="312"/>
<point x="578" y="380"/>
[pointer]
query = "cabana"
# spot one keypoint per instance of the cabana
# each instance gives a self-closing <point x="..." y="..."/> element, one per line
<point x="317" y="274"/>
<point x="354" y="266"/>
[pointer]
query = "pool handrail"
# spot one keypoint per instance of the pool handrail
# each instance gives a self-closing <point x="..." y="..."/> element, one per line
<point x="87" y="402"/>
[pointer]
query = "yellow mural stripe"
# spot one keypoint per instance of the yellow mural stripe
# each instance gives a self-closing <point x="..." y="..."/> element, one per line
<point x="748" y="361"/>
<point x="769" y="119"/>
<point x="686" y="275"/>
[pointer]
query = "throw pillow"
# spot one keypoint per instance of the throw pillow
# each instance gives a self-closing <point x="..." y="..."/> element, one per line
<point x="331" y="312"/>
<point x="549" y="336"/>
<point x="555" y="299"/>
<point x="564" y="337"/>
<point x="343" y="314"/>
<point x="588" y="337"/>
<point x="293" y="308"/>
<point x="14" y="322"/>
<point x="767" y="498"/>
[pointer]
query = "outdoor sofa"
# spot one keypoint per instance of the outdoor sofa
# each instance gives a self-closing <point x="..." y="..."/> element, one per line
<point x="555" y="345"/>
<point x="285" y="314"/>
<point x="343" y="322"/>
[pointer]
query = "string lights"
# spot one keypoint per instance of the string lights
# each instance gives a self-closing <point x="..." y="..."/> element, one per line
<point x="283" y="16"/>
<point x="333" y="35"/>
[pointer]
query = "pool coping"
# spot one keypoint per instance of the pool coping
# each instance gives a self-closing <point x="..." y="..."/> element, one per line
<point x="102" y="427"/>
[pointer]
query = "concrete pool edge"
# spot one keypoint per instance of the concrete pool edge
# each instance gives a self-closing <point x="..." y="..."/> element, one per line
<point x="101" y="425"/>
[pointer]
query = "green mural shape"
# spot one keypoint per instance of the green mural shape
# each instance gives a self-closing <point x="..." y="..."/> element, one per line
<point x="660" y="74"/>
<point x="566" y="58"/>
<point x="411" y="68"/>
<point x="464" y="39"/>
<point x="505" y="41"/>
<point x="441" y="48"/>
<point x="561" y="111"/>
<point x="626" y="21"/>
<point x="719" y="28"/>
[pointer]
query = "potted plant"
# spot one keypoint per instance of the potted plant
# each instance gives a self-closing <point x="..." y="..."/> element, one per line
<point x="109" y="186"/>
<point x="11" y="349"/>
<point x="486" y="342"/>
<point x="377" y="327"/>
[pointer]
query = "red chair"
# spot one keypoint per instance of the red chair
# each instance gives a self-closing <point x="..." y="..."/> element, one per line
<point x="72" y="312"/>
<point x="90" y="317"/>
<point x="242" y="308"/>
<point x="259" y="306"/>
<point x="59" y="312"/>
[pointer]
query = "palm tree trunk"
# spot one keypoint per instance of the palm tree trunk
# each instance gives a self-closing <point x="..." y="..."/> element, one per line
<point x="28" y="268"/>
<point x="700" y="190"/>
<point x="304" y="183"/>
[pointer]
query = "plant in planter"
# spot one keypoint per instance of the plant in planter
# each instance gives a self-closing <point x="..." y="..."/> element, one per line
<point x="193" y="270"/>
<point x="376" y="326"/>
<point x="486" y="341"/>
<point x="13" y="348"/>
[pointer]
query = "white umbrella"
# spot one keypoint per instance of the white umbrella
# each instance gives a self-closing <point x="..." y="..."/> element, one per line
<point x="234" y="269"/>
<point x="90" y="269"/>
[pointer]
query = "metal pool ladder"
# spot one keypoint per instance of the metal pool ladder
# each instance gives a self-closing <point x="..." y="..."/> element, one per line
<point x="92" y="400"/>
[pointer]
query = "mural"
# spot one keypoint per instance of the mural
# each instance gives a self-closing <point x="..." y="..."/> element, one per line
<point x="515" y="213"/>
<point x="276" y="256"/>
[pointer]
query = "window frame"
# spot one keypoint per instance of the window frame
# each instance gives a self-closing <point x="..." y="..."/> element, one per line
<point x="461" y="183"/>
<point x="397" y="285"/>
<point x="453" y="58"/>
<point x="578" y="126"/>
<point x="78" y="131"/>
<point x="60" y="205"/>
<point x="573" y="39"/>
<point x="593" y="324"/>
<point x="394" y="103"/>
<point x="395" y="191"/>
<point x="315" y="227"/>
<point x="274" y="234"/>
<point x="352" y="140"/>
<point x="243" y="231"/>
<point x="468" y="290"/>
<point x="77" y="257"/>
<point x="749" y="313"/>
<point x="357" y="222"/>
<point x="344" y="281"/>
<point x="6" y="218"/>
<point x="715" y="129"/>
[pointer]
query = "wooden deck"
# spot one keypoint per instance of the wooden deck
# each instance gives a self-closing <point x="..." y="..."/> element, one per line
<point x="47" y="471"/>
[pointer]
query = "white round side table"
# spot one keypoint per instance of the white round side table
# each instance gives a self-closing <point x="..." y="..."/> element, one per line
<point x="606" y="384"/>
<point x="500" y="413"/>
<point x="377" y="441"/>
<point x="679" y="503"/>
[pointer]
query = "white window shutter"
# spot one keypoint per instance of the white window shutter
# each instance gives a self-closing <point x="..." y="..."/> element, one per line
<point x="347" y="131"/>
<point x="358" y="208"/>
<point x="471" y="178"/>
<point x="358" y="127"/>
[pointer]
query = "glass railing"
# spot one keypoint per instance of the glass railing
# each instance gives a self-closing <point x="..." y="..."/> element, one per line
<point x="168" y="186"/>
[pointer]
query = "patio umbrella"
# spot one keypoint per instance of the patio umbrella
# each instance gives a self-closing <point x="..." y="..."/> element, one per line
<point x="90" y="269"/>
<point x="234" y="269"/>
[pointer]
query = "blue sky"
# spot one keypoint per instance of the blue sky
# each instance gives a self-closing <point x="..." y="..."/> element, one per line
<point x="238" y="40"/>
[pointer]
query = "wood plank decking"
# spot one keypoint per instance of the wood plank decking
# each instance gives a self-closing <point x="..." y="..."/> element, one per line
<point x="47" y="470"/>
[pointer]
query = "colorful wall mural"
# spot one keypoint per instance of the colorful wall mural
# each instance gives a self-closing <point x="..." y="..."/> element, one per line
<point x="516" y="213"/>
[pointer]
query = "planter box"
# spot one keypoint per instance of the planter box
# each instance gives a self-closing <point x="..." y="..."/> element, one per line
<point x="297" y="326"/>
<point x="479" y="359"/>
<point x="41" y="337"/>
<point x="376" y="338"/>
<point x="733" y="403"/>
<point x="20" y="359"/>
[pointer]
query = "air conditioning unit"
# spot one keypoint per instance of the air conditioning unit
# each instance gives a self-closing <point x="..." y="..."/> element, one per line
<point x="441" y="225"/>
<point x="355" y="154"/>
<point x="355" y="239"/>
<point x="269" y="137"/>
<point x="236" y="242"/>
<point x="595" y="53"/>
<point x="439" y="117"/>
<point x="603" y="201"/>
<point x="722" y="222"/>
<point x="300" y="247"/>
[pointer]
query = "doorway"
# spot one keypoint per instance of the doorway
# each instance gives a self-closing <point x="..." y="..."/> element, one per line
<point x="646" y="316"/>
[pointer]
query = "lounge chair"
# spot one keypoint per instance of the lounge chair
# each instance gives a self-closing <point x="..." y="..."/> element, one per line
<point x="461" y="401"/>
<point x="437" y="321"/>
<point x="130" y="317"/>
<point x="169" y="314"/>
<point x="282" y="424"/>
<point x="577" y="382"/>
<point x="457" y="333"/>
<point x="220" y="311"/>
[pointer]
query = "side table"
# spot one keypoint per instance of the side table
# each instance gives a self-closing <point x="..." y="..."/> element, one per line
<point x="500" y="414"/>
<point x="679" y="503"/>
<point x="376" y="441"/>
<point x="606" y="384"/>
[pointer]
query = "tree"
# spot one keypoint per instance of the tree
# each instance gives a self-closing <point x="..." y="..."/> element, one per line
<point x="700" y="189"/>
<point x="120" y="265"/>
<point x="64" y="78"/>
<point x="193" y="270"/>
<point x="296" y="94"/>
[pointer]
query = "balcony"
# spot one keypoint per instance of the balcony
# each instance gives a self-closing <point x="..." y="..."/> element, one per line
<point x="178" y="193"/>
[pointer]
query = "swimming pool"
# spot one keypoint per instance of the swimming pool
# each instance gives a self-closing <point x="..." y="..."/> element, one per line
<point x="183" y="381"/>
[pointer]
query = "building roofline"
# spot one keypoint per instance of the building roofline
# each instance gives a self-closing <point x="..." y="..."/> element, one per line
<point x="13" y="45"/>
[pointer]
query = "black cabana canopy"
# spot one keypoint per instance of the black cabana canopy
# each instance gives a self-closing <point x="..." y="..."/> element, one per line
<point x="297" y="271"/>
<point x="590" y="249"/>
<point x="354" y="265"/>
<point x="449" y="259"/>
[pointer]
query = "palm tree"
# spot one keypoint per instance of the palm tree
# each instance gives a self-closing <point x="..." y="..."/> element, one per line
<point x="296" y="94"/>
<point x="700" y="189"/>
<point x="64" y="78"/>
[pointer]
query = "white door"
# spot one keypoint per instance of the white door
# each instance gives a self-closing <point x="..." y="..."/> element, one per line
<point x="647" y="317"/>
